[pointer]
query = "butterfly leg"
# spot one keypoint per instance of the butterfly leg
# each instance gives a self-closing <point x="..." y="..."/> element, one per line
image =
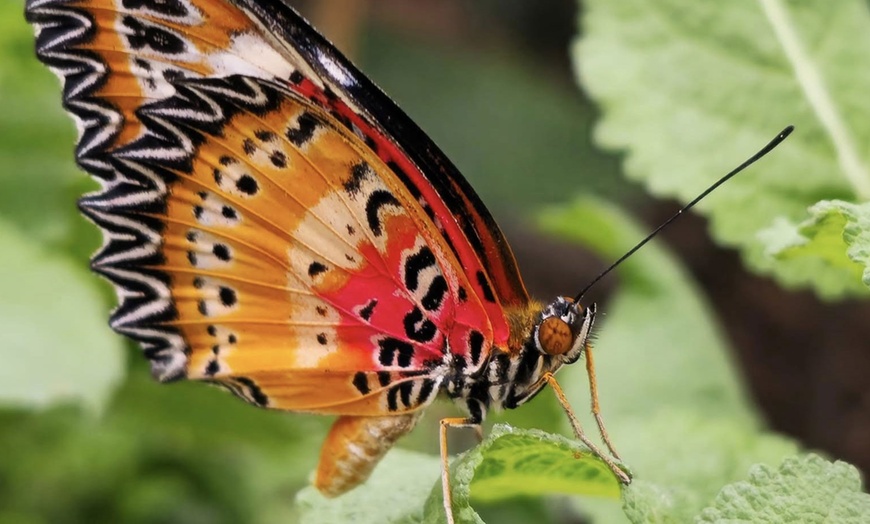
<point x="457" y="422"/>
<point x="578" y="430"/>
<point x="593" y="393"/>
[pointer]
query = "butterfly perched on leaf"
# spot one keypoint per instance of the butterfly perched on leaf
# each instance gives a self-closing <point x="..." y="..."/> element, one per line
<point x="275" y="225"/>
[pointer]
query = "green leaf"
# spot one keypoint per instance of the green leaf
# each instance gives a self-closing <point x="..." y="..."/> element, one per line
<point x="805" y="488"/>
<point x="508" y="463"/>
<point x="837" y="236"/>
<point x="56" y="344"/>
<point x="512" y="463"/>
<point x="683" y="459"/>
<point x="690" y="89"/>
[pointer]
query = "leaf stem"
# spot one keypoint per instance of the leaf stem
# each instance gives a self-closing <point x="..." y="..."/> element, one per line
<point x="819" y="97"/>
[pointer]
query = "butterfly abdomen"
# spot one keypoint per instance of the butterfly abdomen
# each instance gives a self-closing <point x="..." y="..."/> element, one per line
<point x="353" y="448"/>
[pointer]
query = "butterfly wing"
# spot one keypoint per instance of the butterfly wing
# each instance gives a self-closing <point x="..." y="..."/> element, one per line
<point x="264" y="229"/>
<point x="421" y="165"/>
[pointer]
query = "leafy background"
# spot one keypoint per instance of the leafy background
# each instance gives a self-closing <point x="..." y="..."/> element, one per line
<point x="677" y="92"/>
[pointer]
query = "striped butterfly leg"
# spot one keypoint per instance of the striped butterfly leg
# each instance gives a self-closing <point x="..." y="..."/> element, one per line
<point x="454" y="422"/>
<point x="354" y="447"/>
<point x="578" y="429"/>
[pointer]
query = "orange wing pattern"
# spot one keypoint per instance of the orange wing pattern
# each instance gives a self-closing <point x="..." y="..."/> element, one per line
<point x="299" y="262"/>
<point x="266" y="226"/>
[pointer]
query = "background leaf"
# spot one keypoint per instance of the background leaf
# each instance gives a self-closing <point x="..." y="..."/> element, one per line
<point x="837" y="234"/>
<point x="806" y="489"/>
<point x="75" y="357"/>
<point x="513" y="463"/>
<point x="715" y="81"/>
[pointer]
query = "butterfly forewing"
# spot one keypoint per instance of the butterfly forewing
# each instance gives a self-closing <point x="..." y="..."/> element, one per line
<point x="265" y="227"/>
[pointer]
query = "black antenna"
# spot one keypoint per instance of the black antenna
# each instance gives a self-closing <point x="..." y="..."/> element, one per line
<point x="765" y="150"/>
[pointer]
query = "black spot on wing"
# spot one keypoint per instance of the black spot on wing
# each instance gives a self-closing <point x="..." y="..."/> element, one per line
<point x="435" y="294"/>
<point x="221" y="252"/>
<point x="426" y="390"/>
<point x="484" y="285"/>
<point x="417" y="327"/>
<point x="247" y="185"/>
<point x="229" y="213"/>
<point x="415" y="264"/>
<point x="358" y="174"/>
<point x="306" y="124"/>
<point x="406" y="389"/>
<point x="361" y="383"/>
<point x="264" y="135"/>
<point x="366" y="312"/>
<point x="392" y="399"/>
<point x="395" y="352"/>
<point x="383" y="378"/>
<point x="475" y="346"/>
<point x="227" y="296"/>
<point x="376" y="201"/>
<point x="315" y="268"/>
<point x="278" y="159"/>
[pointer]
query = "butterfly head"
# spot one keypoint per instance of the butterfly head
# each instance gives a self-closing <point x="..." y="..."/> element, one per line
<point x="564" y="329"/>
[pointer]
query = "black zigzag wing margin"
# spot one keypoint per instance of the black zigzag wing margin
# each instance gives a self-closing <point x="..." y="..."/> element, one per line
<point x="176" y="126"/>
<point x="61" y="31"/>
<point x="134" y="178"/>
<point x="130" y="240"/>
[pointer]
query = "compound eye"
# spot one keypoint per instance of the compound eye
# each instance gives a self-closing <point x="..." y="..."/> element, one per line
<point x="555" y="336"/>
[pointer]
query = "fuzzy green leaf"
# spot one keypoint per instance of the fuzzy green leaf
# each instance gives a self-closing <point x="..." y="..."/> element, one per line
<point x="805" y="489"/>
<point x="837" y="235"/>
<point x="56" y="345"/>
<point x="512" y="462"/>
<point x="690" y="89"/>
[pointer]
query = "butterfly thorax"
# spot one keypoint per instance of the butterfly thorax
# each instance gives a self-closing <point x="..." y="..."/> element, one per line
<point x="543" y="339"/>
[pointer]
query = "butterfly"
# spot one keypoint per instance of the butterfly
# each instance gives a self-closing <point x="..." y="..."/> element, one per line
<point x="274" y="224"/>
